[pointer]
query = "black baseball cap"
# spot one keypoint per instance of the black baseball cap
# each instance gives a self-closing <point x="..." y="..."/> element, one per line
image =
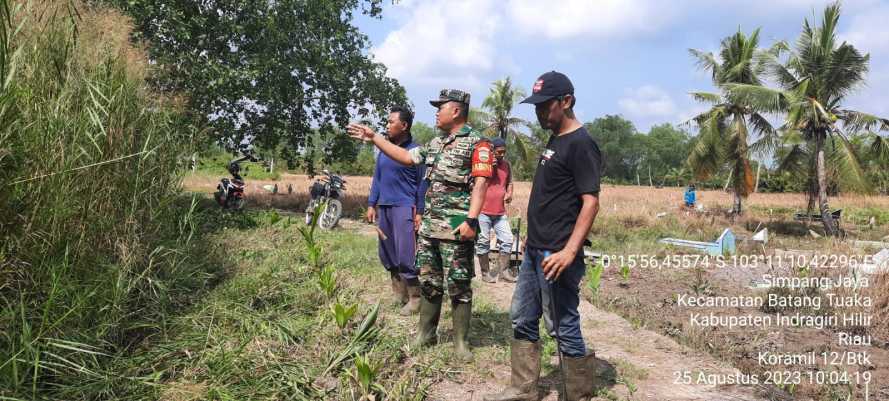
<point x="549" y="85"/>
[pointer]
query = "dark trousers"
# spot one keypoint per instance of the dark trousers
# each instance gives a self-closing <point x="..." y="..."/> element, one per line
<point x="398" y="250"/>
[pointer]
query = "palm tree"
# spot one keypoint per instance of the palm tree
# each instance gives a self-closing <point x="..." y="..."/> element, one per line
<point x="797" y="156"/>
<point x="723" y="129"/>
<point x="499" y="104"/>
<point x="679" y="175"/>
<point x="497" y="117"/>
<point x="815" y="78"/>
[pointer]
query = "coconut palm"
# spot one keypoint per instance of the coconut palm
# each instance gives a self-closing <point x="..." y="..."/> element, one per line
<point x="497" y="119"/>
<point x="499" y="104"/>
<point x="725" y="128"/>
<point x="798" y="156"/>
<point x="816" y="76"/>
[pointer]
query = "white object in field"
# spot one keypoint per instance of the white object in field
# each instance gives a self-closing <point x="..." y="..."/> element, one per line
<point x="495" y="245"/>
<point x="725" y="244"/>
<point x="877" y="244"/>
<point x="814" y="234"/>
<point x="700" y="207"/>
<point x="880" y="265"/>
<point x="661" y="214"/>
<point x="270" y="188"/>
<point x="758" y="284"/>
<point x="762" y="236"/>
<point x="588" y="254"/>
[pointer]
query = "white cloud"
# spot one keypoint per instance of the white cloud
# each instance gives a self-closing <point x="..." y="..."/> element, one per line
<point x="868" y="31"/>
<point x="874" y="96"/>
<point x="648" y="101"/>
<point x="782" y="9"/>
<point x="602" y="18"/>
<point x="441" y="41"/>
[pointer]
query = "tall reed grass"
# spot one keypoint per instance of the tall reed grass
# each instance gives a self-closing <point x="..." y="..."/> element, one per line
<point x="94" y="236"/>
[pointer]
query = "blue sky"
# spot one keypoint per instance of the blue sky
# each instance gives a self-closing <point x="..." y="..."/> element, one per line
<point x="627" y="57"/>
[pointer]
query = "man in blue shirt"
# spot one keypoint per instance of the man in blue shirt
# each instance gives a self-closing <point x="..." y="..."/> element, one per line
<point x="690" y="196"/>
<point x="396" y="203"/>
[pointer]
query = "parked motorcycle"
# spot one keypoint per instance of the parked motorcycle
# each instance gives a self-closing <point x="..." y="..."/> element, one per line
<point x="326" y="190"/>
<point x="230" y="193"/>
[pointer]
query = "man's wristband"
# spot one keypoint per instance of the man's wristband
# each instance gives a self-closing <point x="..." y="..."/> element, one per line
<point x="473" y="222"/>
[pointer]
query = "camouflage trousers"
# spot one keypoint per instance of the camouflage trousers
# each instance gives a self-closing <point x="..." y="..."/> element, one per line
<point x="433" y="255"/>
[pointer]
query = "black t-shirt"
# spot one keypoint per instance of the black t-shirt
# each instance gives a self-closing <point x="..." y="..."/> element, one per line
<point x="570" y="166"/>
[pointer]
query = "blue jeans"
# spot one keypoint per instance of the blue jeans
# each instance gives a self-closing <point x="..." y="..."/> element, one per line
<point x="531" y="299"/>
<point x="500" y="224"/>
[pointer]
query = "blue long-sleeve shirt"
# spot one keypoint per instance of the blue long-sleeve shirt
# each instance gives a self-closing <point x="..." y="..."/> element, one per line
<point x="395" y="184"/>
<point x="690" y="197"/>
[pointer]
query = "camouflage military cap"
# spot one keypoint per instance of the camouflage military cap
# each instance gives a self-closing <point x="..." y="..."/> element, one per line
<point x="451" y="95"/>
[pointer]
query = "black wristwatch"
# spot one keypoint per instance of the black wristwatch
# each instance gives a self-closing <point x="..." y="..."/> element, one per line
<point x="473" y="222"/>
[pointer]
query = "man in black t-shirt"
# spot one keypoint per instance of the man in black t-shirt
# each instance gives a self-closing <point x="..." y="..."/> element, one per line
<point x="564" y="202"/>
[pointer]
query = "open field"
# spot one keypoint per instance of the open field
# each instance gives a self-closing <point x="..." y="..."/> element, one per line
<point x="122" y="279"/>
<point x="617" y="201"/>
<point x="628" y="224"/>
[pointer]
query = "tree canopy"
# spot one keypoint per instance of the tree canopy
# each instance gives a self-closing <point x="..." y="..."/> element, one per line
<point x="271" y="71"/>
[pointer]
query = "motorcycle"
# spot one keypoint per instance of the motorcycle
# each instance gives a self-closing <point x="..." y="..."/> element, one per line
<point x="327" y="191"/>
<point x="230" y="193"/>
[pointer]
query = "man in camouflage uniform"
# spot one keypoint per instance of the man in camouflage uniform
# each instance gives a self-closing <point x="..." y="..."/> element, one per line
<point x="458" y="163"/>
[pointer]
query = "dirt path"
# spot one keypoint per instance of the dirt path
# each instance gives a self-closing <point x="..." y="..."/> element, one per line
<point x="652" y="356"/>
<point x="652" y="359"/>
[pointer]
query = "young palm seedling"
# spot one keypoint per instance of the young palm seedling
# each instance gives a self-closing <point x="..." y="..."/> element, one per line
<point x="313" y="248"/>
<point x="595" y="278"/>
<point x="343" y="314"/>
<point x="625" y="276"/>
<point x="327" y="281"/>
<point x="365" y="377"/>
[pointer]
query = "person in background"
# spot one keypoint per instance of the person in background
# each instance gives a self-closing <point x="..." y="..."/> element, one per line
<point x="690" y="196"/>
<point x="494" y="217"/>
<point x="396" y="204"/>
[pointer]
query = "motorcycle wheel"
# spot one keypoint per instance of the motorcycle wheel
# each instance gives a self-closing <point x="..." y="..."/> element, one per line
<point x="238" y="203"/>
<point x="331" y="215"/>
<point x="310" y="212"/>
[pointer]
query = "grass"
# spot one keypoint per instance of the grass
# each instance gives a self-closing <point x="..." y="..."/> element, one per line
<point x="116" y="286"/>
<point x="97" y="246"/>
<point x="267" y="331"/>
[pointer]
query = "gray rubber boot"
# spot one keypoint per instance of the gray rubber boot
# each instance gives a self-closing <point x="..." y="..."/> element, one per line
<point x="581" y="377"/>
<point x="484" y="264"/>
<point x="413" y="298"/>
<point x="399" y="289"/>
<point x="503" y="269"/>
<point x="525" y="363"/>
